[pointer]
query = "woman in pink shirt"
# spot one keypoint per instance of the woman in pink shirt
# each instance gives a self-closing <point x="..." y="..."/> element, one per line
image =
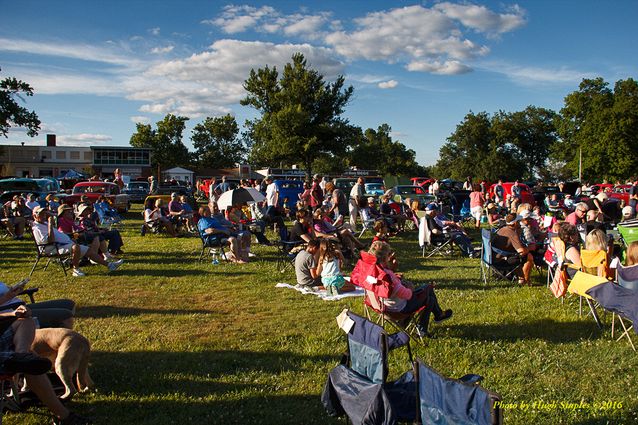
<point x="477" y="200"/>
<point x="404" y="297"/>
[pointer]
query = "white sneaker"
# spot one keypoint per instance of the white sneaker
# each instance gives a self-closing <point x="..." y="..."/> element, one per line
<point x="78" y="273"/>
<point x="93" y="262"/>
<point x="251" y="255"/>
<point x="115" y="265"/>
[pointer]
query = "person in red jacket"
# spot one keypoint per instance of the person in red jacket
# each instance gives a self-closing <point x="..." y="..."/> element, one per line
<point x="375" y="271"/>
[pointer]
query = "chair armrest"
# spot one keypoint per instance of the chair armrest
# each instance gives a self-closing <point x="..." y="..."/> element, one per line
<point x="471" y="378"/>
<point x="29" y="292"/>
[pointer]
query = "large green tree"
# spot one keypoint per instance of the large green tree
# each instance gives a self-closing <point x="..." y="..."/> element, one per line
<point x="300" y="119"/>
<point x="473" y="150"/>
<point x="216" y="142"/>
<point x="11" y="113"/>
<point x="601" y="125"/>
<point x="530" y="133"/>
<point x="165" y="142"/>
<point x="377" y="151"/>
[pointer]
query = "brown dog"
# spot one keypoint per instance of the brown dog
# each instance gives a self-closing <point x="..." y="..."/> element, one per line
<point x="69" y="352"/>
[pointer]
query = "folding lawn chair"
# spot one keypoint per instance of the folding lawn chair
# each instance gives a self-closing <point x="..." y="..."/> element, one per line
<point x="627" y="277"/>
<point x="215" y="246"/>
<point x="401" y="321"/>
<point x="50" y="252"/>
<point x="286" y="250"/>
<point x="580" y="284"/>
<point x="505" y="268"/>
<point x="432" y="244"/>
<point x="447" y="401"/>
<point x="358" y="387"/>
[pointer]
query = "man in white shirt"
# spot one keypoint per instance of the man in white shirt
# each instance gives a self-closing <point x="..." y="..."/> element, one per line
<point x="32" y="202"/>
<point x="272" y="197"/>
<point x="356" y="197"/>
<point x="44" y="232"/>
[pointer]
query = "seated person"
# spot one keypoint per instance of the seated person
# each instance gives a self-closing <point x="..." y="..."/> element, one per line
<point x="508" y="240"/>
<point x="597" y="240"/>
<point x="329" y="268"/>
<point x="188" y="213"/>
<point x="439" y="225"/>
<point x="579" y="214"/>
<point x="325" y="229"/>
<point x="571" y="237"/>
<point x="104" y="211"/>
<point x="176" y="212"/>
<point x="50" y="314"/>
<point x="52" y="203"/>
<point x="154" y="216"/>
<point x="306" y="265"/>
<point x="569" y="202"/>
<point x="44" y="232"/>
<point x="67" y="225"/>
<point x="32" y="201"/>
<point x="214" y="232"/>
<point x="238" y="217"/>
<point x="391" y="211"/>
<point x="88" y="225"/>
<point x="17" y="331"/>
<point x="258" y="213"/>
<point x="381" y="232"/>
<point x="493" y="217"/>
<point x="302" y="229"/>
<point x="243" y="236"/>
<point x="15" y="220"/>
<point x="404" y="298"/>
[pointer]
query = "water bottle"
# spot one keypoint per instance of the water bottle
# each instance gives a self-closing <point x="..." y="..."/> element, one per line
<point x="215" y="261"/>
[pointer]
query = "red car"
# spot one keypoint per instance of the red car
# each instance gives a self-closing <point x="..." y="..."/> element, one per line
<point x="93" y="190"/>
<point x="526" y="193"/>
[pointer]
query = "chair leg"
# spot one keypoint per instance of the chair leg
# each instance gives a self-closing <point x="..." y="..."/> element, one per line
<point x="594" y="313"/>
<point x="626" y="332"/>
<point x="37" y="260"/>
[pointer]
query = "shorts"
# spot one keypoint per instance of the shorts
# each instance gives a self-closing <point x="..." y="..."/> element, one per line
<point x="65" y="249"/>
<point x="336" y="281"/>
<point x="477" y="212"/>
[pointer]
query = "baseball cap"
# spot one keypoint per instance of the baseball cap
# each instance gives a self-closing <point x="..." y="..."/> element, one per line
<point x="432" y="207"/>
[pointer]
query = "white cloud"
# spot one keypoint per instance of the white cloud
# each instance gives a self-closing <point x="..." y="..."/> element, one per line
<point x="142" y="119"/>
<point x="45" y="80"/>
<point x="367" y="78"/>
<point x="160" y="50"/>
<point x="209" y="82"/>
<point x="533" y="75"/>
<point x="154" y="31"/>
<point x="236" y="19"/>
<point x="482" y="19"/>
<point x="388" y="84"/>
<point x="83" y="138"/>
<point x="427" y="39"/>
<point x="67" y="50"/>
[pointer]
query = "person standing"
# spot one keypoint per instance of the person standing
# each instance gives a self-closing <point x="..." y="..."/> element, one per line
<point x="316" y="193"/>
<point x="272" y="197"/>
<point x="153" y="185"/>
<point x="356" y="200"/>
<point x="633" y="197"/>
<point x="499" y="193"/>
<point x="224" y="186"/>
<point x="477" y="200"/>
<point x="467" y="185"/>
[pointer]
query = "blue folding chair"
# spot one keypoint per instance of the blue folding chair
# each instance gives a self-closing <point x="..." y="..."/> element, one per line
<point x="506" y="268"/>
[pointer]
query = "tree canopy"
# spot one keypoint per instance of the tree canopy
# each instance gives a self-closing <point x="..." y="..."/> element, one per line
<point x="603" y="125"/>
<point x="376" y="150"/>
<point x="300" y="118"/>
<point x="11" y="113"/>
<point x="165" y="142"/>
<point x="216" y="142"/>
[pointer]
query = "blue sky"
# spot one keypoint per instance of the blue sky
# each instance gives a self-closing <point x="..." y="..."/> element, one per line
<point x="99" y="67"/>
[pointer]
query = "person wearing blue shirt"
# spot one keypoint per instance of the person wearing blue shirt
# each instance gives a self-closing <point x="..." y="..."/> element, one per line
<point x="438" y="224"/>
<point x="215" y="232"/>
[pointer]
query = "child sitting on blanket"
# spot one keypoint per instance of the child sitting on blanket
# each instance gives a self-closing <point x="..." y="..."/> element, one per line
<point x="329" y="268"/>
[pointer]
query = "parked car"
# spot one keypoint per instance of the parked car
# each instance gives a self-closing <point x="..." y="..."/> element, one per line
<point x="94" y="189"/>
<point x="290" y="189"/>
<point x="137" y="190"/>
<point x="374" y="189"/>
<point x="401" y="193"/>
<point x="526" y="193"/>
<point x="17" y="186"/>
<point x="164" y="193"/>
<point x="345" y="184"/>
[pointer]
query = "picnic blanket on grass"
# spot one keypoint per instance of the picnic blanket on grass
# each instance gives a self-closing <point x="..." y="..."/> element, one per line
<point x="359" y="292"/>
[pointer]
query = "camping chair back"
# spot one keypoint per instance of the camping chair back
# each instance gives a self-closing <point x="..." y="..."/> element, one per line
<point x="486" y="246"/>
<point x="447" y="401"/>
<point x="594" y="262"/>
<point x="425" y="235"/>
<point x="368" y="349"/>
<point x="628" y="232"/>
<point x="628" y="277"/>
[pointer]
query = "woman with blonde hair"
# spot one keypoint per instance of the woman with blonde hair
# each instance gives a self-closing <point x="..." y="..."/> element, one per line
<point x="632" y="254"/>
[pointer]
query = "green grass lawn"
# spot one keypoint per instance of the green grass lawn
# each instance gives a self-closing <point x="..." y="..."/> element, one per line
<point x="177" y="341"/>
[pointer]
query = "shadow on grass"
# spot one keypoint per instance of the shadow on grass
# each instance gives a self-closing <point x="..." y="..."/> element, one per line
<point x="546" y="329"/>
<point x="103" y="311"/>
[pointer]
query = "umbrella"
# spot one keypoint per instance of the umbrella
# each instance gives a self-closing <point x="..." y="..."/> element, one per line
<point x="239" y="196"/>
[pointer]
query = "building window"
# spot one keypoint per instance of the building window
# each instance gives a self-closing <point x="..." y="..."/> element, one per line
<point x="87" y="156"/>
<point x="46" y="154"/>
<point x="60" y="155"/>
<point x="75" y="154"/>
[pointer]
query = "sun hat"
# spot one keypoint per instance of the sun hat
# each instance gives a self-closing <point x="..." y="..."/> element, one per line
<point x="37" y="210"/>
<point x="627" y="211"/>
<point x="83" y="208"/>
<point x="64" y="207"/>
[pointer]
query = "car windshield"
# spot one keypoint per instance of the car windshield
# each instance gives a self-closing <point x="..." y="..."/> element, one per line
<point x="24" y="185"/>
<point x="374" y="186"/>
<point x="411" y="190"/>
<point x="345" y="184"/>
<point x="290" y="185"/>
<point x="89" y="189"/>
<point x="138" y="186"/>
